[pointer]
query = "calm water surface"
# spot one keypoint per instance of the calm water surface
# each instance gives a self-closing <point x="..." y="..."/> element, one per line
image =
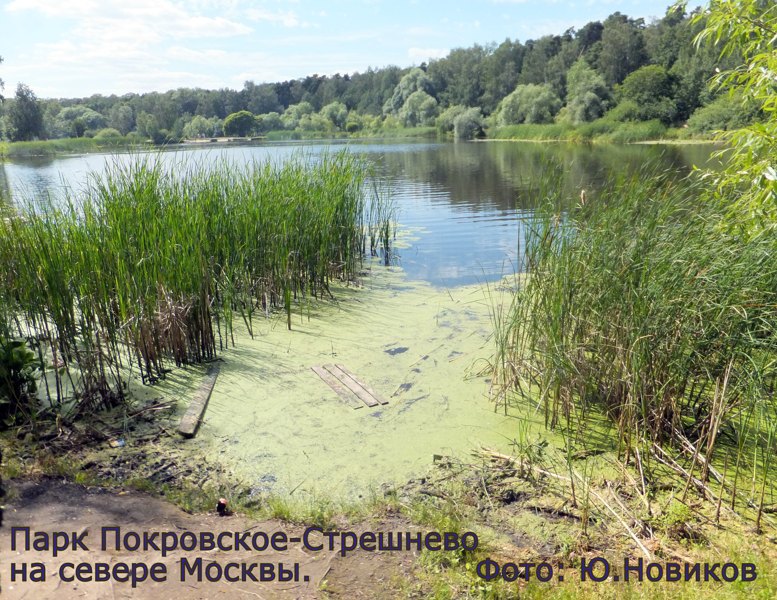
<point x="459" y="204"/>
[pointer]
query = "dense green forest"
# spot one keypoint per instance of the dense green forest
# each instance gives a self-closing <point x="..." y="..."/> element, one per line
<point x="620" y="75"/>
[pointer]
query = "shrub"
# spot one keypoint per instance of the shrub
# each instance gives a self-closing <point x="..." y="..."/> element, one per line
<point x="722" y="114"/>
<point x="269" y="122"/>
<point x="444" y="122"/>
<point x="650" y="90"/>
<point x="18" y="373"/>
<point x="468" y="124"/>
<point x="635" y="131"/>
<point x="529" y="104"/>
<point x="108" y="132"/>
<point x="241" y="123"/>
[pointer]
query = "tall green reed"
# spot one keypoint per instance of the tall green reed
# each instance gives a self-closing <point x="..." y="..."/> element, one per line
<point x="637" y="302"/>
<point x="149" y="266"/>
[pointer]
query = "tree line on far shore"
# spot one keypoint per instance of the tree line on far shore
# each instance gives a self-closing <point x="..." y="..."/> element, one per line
<point x="621" y="70"/>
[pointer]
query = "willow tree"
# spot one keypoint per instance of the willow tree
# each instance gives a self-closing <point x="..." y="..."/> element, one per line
<point x="530" y="103"/>
<point x="748" y="28"/>
<point x="587" y="93"/>
<point x="25" y="115"/>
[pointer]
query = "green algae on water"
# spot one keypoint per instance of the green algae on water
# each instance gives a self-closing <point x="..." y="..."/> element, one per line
<point x="283" y="430"/>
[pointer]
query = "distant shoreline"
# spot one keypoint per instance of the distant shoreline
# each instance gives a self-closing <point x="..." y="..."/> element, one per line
<point x="65" y="146"/>
<point x="659" y="141"/>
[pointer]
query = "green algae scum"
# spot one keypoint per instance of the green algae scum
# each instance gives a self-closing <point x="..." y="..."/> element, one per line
<point x="150" y="266"/>
<point x="282" y="430"/>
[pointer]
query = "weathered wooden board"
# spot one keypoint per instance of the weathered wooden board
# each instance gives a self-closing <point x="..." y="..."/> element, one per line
<point x="191" y="420"/>
<point x="335" y="384"/>
<point x="352" y="385"/>
<point x="348" y="386"/>
<point x="364" y="386"/>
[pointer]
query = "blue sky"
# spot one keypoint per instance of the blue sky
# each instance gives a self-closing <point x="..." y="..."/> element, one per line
<point x="72" y="48"/>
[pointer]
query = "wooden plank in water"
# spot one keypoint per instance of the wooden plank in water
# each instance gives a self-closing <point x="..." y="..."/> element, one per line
<point x="335" y="384"/>
<point x="348" y="386"/>
<point x="191" y="420"/>
<point x="352" y="385"/>
<point x="364" y="386"/>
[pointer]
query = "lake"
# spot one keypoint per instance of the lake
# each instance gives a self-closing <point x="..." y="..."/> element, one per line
<point x="458" y="203"/>
<point x="419" y="332"/>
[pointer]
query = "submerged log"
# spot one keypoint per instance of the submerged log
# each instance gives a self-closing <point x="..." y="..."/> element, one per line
<point x="191" y="420"/>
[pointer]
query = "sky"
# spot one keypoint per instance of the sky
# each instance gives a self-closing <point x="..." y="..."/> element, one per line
<point x="76" y="48"/>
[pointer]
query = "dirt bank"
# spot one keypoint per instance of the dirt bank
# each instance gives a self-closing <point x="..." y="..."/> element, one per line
<point x="50" y="505"/>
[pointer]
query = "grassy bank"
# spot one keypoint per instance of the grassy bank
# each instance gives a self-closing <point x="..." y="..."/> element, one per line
<point x="603" y="130"/>
<point x="66" y="146"/>
<point x="150" y="266"/>
<point x="399" y="133"/>
<point x="11" y="150"/>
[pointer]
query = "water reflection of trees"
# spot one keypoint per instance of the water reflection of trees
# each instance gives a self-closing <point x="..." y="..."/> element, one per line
<point x="491" y="176"/>
<point x="504" y="176"/>
<point x="5" y="188"/>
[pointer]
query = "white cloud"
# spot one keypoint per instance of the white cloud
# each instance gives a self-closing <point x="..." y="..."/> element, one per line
<point x="118" y="46"/>
<point x="539" y="28"/>
<point x="421" y="31"/>
<point x="308" y="40"/>
<point x="128" y="45"/>
<point x="164" y="79"/>
<point x="422" y="54"/>
<point x="52" y="8"/>
<point x="291" y="67"/>
<point x="285" y="18"/>
<point x="206" y="56"/>
<point x="153" y="18"/>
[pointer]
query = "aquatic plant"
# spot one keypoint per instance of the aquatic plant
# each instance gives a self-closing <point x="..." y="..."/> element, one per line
<point x="150" y="264"/>
<point x="17" y="379"/>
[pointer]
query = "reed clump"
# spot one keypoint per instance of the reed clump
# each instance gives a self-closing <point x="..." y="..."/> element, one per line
<point x="636" y="301"/>
<point x="151" y="263"/>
